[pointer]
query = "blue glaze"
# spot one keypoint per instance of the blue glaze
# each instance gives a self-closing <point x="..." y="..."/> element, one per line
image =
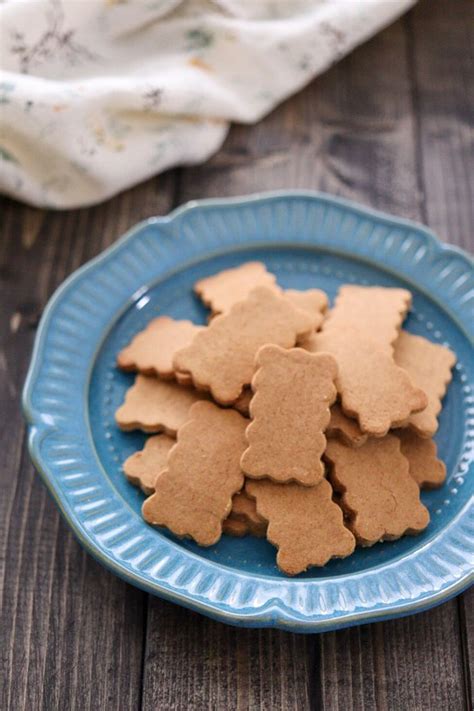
<point x="73" y="388"/>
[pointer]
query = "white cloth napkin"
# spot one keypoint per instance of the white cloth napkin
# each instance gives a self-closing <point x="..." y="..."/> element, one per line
<point x="97" y="95"/>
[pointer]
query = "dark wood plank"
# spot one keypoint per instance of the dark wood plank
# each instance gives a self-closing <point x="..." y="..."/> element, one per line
<point x="441" y="48"/>
<point x="352" y="132"/>
<point x="443" y="91"/>
<point x="71" y="633"/>
<point x="195" y="663"/>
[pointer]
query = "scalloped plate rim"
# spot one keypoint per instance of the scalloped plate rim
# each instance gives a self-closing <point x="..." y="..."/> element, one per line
<point x="272" y="613"/>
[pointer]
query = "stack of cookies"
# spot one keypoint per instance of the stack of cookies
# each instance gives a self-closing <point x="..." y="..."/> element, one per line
<point x="284" y="419"/>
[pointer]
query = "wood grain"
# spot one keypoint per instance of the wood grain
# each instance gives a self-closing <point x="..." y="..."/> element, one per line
<point x="388" y="126"/>
<point x="71" y="633"/>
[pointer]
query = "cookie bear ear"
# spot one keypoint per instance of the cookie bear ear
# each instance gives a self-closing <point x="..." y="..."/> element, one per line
<point x="221" y="358"/>
<point x="293" y="390"/>
<point x="380" y="497"/>
<point x="193" y="495"/>
<point x="304" y="523"/>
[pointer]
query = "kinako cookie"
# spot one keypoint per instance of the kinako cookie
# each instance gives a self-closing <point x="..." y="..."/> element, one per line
<point x="193" y="495"/>
<point x="142" y="468"/>
<point x="359" y="332"/>
<point x="293" y="390"/>
<point x="155" y="405"/>
<point x="344" y="428"/>
<point x="244" y="508"/>
<point x="221" y="356"/>
<point x="304" y="523"/>
<point x="242" y="404"/>
<point x="243" y="518"/>
<point x="372" y="388"/>
<point x="235" y="527"/>
<point x="427" y="470"/>
<point x="151" y="351"/>
<point x="376" y="312"/>
<point x="314" y="301"/>
<point x="429" y="365"/>
<point x="221" y="291"/>
<point x="378" y="493"/>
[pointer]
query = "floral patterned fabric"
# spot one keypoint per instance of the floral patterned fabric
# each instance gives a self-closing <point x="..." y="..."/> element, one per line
<point x="97" y="95"/>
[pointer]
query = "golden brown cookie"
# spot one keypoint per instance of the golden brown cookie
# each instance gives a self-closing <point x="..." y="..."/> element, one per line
<point x="429" y="365"/>
<point x="378" y="493"/>
<point x="143" y="467"/>
<point x="193" y="495"/>
<point x="244" y="508"/>
<point x="344" y="428"/>
<point x="372" y="388"/>
<point x="293" y="390"/>
<point x="304" y="523"/>
<point x="242" y="404"/>
<point x="223" y="290"/>
<point x="314" y="301"/>
<point x="235" y="527"/>
<point x="375" y="312"/>
<point x="154" y="405"/>
<point x="221" y="357"/>
<point x="427" y="470"/>
<point x="151" y="351"/>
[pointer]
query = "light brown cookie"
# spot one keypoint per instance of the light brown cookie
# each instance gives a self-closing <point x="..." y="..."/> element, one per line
<point x="235" y="527"/>
<point x="154" y="405"/>
<point x="427" y="470"/>
<point x="245" y="509"/>
<point x="143" y="467"/>
<point x="193" y="495"/>
<point x="371" y="386"/>
<point x="223" y="290"/>
<point x="429" y="365"/>
<point x="378" y="493"/>
<point x="344" y="428"/>
<point x="314" y="301"/>
<point x="151" y="351"/>
<point x="242" y="404"/>
<point x="293" y="390"/>
<point x="221" y="357"/>
<point x="304" y="523"/>
<point x="375" y="312"/>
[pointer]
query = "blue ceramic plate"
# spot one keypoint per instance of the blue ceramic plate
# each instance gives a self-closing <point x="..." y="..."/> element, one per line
<point x="73" y="389"/>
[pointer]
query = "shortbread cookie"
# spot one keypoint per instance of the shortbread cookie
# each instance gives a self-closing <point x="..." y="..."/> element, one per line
<point x="151" y="351"/>
<point x="242" y="404"/>
<point x="429" y="365"/>
<point x="371" y="386"/>
<point x="193" y="495"/>
<point x="154" y="405"/>
<point x="314" y="301"/>
<point x="427" y="470"/>
<point x="360" y="331"/>
<point x="221" y="357"/>
<point x="244" y="508"/>
<point x="223" y="290"/>
<point x="344" y="428"/>
<point x="375" y="312"/>
<point x="143" y="467"/>
<point x="235" y="527"/>
<point x="304" y="523"/>
<point x="378" y="493"/>
<point x="293" y="390"/>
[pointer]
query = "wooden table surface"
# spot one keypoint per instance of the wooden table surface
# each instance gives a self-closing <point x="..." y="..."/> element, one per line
<point x="391" y="126"/>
